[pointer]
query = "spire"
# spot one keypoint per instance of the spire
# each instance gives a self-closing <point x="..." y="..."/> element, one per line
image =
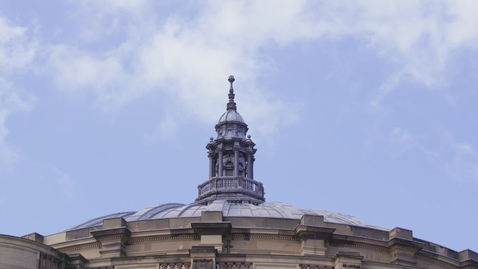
<point x="231" y="104"/>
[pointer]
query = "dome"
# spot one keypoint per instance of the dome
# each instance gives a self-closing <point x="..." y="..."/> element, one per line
<point x="264" y="210"/>
<point x="231" y="115"/>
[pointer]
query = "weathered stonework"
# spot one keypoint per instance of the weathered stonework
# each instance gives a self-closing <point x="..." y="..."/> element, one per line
<point x="29" y="252"/>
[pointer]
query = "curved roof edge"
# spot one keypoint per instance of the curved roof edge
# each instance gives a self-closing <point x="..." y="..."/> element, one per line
<point x="264" y="210"/>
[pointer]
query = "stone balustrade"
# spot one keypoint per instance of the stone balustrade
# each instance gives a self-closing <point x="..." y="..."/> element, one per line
<point x="233" y="265"/>
<point x="231" y="185"/>
<point x="175" y="265"/>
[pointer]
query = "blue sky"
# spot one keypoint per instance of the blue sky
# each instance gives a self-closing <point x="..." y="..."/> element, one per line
<point x="366" y="108"/>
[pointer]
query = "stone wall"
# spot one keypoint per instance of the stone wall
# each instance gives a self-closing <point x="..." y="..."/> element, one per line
<point x="16" y="252"/>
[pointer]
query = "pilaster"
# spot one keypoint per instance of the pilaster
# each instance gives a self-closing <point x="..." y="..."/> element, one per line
<point x="211" y="164"/>
<point x="113" y="237"/>
<point x="313" y="233"/>
<point x="236" y="158"/>
<point x="211" y="229"/>
<point x="348" y="260"/>
<point x="402" y="247"/>
<point x="77" y="261"/>
<point x="203" y="257"/>
<point x="220" y="164"/>
<point x="249" y="164"/>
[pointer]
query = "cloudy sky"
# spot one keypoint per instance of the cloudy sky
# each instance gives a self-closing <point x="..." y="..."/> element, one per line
<point x="367" y="108"/>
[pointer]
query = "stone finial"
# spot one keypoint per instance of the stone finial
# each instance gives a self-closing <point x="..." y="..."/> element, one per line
<point x="231" y="104"/>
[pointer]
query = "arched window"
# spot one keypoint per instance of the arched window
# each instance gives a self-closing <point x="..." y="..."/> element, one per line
<point x="229" y="169"/>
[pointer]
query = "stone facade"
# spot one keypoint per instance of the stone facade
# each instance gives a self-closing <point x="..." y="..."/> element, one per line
<point x="229" y="226"/>
<point x="217" y="241"/>
<point x="30" y="252"/>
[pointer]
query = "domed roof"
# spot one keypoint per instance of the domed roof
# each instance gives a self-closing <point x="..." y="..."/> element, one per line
<point x="231" y="115"/>
<point x="264" y="210"/>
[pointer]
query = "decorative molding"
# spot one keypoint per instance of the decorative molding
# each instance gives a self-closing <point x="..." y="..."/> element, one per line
<point x="234" y="265"/>
<point x="358" y="245"/>
<point x="401" y="247"/>
<point x="274" y="237"/>
<point x="164" y="238"/>
<point x="313" y="232"/>
<point x="351" y="266"/>
<point x="426" y="259"/>
<point x="308" y="266"/>
<point x="212" y="228"/>
<point x="203" y="264"/>
<point x="175" y="265"/>
<point x="433" y="259"/>
<point x="80" y="247"/>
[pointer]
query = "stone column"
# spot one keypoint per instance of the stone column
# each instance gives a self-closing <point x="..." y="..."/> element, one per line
<point x="211" y="164"/>
<point x="249" y="165"/>
<point x="220" y="163"/>
<point x="252" y="167"/>
<point x="41" y="261"/>
<point x="47" y="262"/>
<point x="236" y="162"/>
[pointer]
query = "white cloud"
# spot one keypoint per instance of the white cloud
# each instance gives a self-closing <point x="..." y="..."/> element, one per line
<point x="463" y="167"/>
<point x="186" y="59"/>
<point x="395" y="142"/>
<point x="100" y="19"/>
<point x="185" y="55"/>
<point x="460" y="158"/>
<point x="401" y="136"/>
<point x="419" y="36"/>
<point x="11" y="101"/>
<point x="64" y="182"/>
<point x="166" y="130"/>
<point x="16" y="51"/>
<point x="16" y="54"/>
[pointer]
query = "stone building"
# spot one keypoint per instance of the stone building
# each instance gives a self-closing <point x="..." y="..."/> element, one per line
<point x="229" y="225"/>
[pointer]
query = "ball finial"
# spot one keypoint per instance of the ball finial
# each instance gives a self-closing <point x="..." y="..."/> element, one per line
<point x="231" y="104"/>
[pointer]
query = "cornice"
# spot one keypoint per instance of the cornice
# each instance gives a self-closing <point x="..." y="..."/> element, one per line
<point x="212" y="228"/>
<point x="114" y="233"/>
<point x="469" y="264"/>
<point x="313" y="232"/>
<point x="164" y="238"/>
<point x="162" y="232"/>
<point x="80" y="247"/>
<point x="404" y="244"/>
<point x="350" y="244"/>
<point x="74" y="243"/>
<point x="435" y="258"/>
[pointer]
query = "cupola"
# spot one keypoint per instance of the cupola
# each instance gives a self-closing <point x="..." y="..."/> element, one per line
<point x="231" y="161"/>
